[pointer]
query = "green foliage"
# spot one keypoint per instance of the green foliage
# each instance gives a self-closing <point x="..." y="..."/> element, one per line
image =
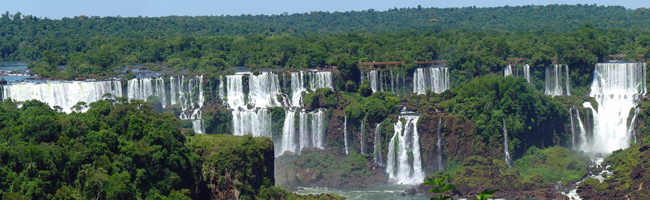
<point x="552" y="164"/>
<point x="218" y="120"/>
<point x="486" y="194"/>
<point x="440" y="187"/>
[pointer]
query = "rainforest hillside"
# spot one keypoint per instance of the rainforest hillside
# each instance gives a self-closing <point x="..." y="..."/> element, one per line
<point x="124" y="150"/>
<point x="553" y="17"/>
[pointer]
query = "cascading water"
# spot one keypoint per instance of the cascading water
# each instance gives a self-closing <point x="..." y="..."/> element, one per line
<point x="400" y="168"/>
<point x="142" y="88"/>
<point x="527" y="73"/>
<point x="522" y="70"/>
<point x="289" y="133"/>
<point x="439" y="145"/>
<point x="630" y="129"/>
<point x="566" y="80"/>
<point x="372" y="77"/>
<point x="345" y="134"/>
<point x="583" y="132"/>
<point x="264" y="89"/>
<point x="392" y="82"/>
<point x="185" y="92"/>
<point x="617" y="88"/>
<point x="505" y="145"/>
<point x="297" y="87"/>
<point x="310" y="131"/>
<point x="507" y="71"/>
<point x="377" y="153"/>
<point x="318" y="129"/>
<point x="300" y="129"/>
<point x="320" y="79"/>
<point x="363" y="136"/>
<point x="252" y="122"/>
<point x="435" y="79"/>
<point x="553" y="81"/>
<point x="64" y="94"/>
<point x="573" y="129"/>
<point x="235" y="91"/>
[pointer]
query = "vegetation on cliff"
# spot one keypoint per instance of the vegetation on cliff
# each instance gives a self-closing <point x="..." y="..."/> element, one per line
<point x="121" y="149"/>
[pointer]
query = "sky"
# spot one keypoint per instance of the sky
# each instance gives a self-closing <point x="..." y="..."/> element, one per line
<point x="57" y="9"/>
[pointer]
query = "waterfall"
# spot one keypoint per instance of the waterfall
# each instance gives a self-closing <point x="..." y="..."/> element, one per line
<point x="505" y="145"/>
<point x="553" y="81"/>
<point x="345" y="134"/>
<point x="320" y="79"/>
<point x="435" y="79"/>
<point x="527" y="73"/>
<point x="583" y="132"/>
<point x="377" y="153"/>
<point x="303" y="134"/>
<point x="381" y="80"/>
<point x="264" y="89"/>
<point x="62" y="93"/>
<point x="363" y="136"/>
<point x="235" y="91"/>
<point x="318" y="129"/>
<point x="630" y="129"/>
<point x="256" y="123"/>
<point x="573" y="129"/>
<point x="310" y="131"/>
<point x="523" y="70"/>
<point x="372" y="77"/>
<point x="142" y="88"/>
<point x="297" y="87"/>
<point x="617" y="88"/>
<point x="222" y="90"/>
<point x="400" y="167"/>
<point x="185" y="92"/>
<point x="289" y="132"/>
<point x="439" y="145"/>
<point x="507" y="71"/>
<point x="566" y="80"/>
<point x="392" y="82"/>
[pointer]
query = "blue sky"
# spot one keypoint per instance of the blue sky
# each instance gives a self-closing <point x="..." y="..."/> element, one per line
<point x="128" y="8"/>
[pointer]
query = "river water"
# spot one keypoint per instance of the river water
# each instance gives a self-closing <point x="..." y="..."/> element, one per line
<point x="375" y="193"/>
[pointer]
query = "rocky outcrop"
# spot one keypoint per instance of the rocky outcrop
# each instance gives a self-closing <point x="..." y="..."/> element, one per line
<point x="631" y="168"/>
<point x="233" y="166"/>
<point x="325" y="168"/>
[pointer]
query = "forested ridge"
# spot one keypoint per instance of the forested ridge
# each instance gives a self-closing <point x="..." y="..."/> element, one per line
<point x="580" y="36"/>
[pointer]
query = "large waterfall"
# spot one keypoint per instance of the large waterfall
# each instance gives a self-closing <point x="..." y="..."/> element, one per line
<point x="554" y="85"/>
<point x="187" y="92"/>
<point x="264" y="89"/>
<point x="406" y="140"/>
<point x="251" y="115"/>
<point x="617" y="88"/>
<point x="252" y="122"/>
<point x="235" y="91"/>
<point x="62" y="93"/>
<point x="435" y="79"/>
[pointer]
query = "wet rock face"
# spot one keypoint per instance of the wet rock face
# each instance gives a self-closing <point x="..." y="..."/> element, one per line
<point x="292" y="172"/>
<point x="631" y="168"/>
